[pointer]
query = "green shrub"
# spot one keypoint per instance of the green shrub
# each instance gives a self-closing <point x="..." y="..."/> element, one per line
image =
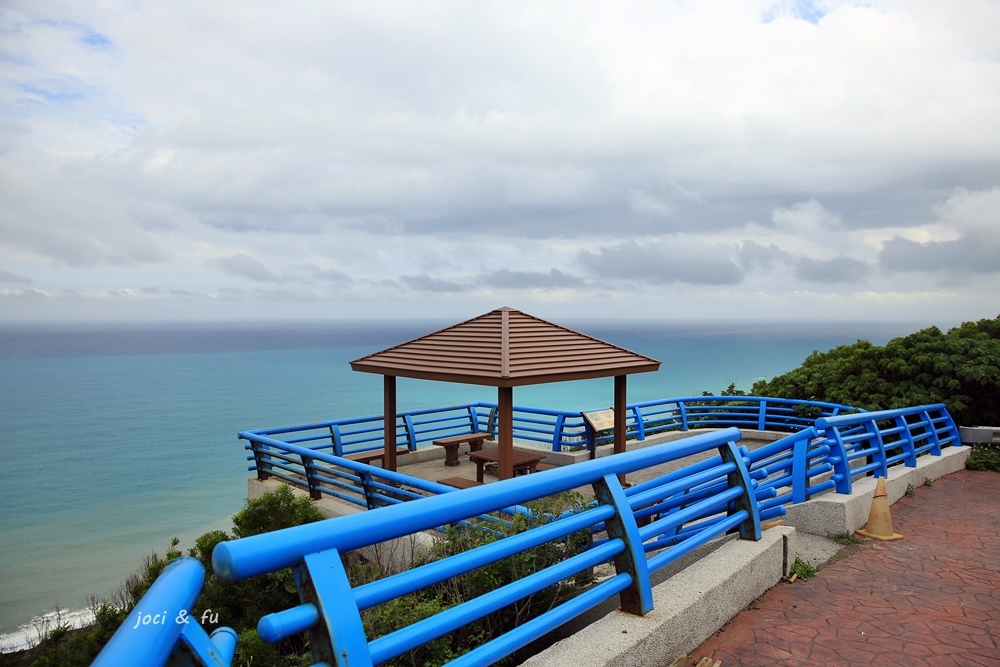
<point x="460" y="538"/>
<point x="803" y="568"/>
<point x="239" y="606"/>
<point x="960" y="368"/>
<point x="984" y="457"/>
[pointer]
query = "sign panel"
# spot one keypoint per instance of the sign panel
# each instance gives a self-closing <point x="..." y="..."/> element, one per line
<point x="600" y="420"/>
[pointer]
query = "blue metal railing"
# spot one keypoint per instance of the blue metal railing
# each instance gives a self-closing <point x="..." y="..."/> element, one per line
<point x="648" y="525"/>
<point x="720" y="498"/>
<point x="558" y="429"/>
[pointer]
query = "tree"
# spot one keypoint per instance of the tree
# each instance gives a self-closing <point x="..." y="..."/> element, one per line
<point x="960" y="368"/>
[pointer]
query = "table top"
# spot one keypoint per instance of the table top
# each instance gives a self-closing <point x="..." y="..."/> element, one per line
<point x="521" y="456"/>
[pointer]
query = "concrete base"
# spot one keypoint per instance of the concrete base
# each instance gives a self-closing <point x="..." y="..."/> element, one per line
<point x="832" y="514"/>
<point x="689" y="607"/>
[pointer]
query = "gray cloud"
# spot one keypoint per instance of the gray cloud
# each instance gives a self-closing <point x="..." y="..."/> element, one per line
<point x="8" y="277"/>
<point x="247" y="267"/>
<point x="974" y="252"/>
<point x="564" y="148"/>
<point x="839" y="269"/>
<point x="757" y="257"/>
<point x="506" y="279"/>
<point x="425" y="283"/>
<point x="678" y="260"/>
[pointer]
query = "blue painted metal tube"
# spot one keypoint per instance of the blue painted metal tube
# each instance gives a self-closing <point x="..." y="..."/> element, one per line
<point x="666" y="558"/>
<point x="524" y="634"/>
<point x="150" y="632"/>
<point x="698" y="510"/>
<point x="250" y="556"/>
<point x="383" y="590"/>
<point x="225" y="642"/>
<point x="683" y="484"/>
<point x="421" y="632"/>
<point x="279" y="625"/>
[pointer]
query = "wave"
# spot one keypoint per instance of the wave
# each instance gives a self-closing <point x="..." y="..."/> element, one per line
<point x="30" y="634"/>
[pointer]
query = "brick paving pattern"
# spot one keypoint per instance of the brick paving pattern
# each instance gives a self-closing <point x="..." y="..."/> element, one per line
<point x="930" y="599"/>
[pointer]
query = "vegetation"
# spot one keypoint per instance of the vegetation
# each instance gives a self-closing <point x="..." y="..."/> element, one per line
<point x="239" y="606"/>
<point x="984" y="457"/>
<point x="960" y="368"/>
<point x="803" y="568"/>
<point x="460" y="538"/>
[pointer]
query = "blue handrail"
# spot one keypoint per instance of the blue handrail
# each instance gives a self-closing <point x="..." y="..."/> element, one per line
<point x="161" y="627"/>
<point x="648" y="525"/>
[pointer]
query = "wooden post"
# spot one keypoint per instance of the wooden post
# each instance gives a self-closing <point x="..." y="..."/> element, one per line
<point x="505" y="432"/>
<point x="389" y="406"/>
<point x="620" y="391"/>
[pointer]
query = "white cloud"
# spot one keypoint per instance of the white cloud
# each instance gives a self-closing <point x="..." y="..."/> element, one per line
<point x="427" y="157"/>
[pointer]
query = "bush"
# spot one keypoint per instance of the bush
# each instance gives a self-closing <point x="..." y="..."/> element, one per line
<point x="960" y="368"/>
<point x="984" y="457"/>
<point x="239" y="606"/>
<point x="459" y="538"/>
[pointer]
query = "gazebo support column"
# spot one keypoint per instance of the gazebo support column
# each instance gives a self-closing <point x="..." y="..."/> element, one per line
<point x="389" y="406"/>
<point x="620" y="391"/>
<point x="505" y="432"/>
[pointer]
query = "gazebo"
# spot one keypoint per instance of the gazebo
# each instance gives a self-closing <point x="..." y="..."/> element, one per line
<point x="504" y="348"/>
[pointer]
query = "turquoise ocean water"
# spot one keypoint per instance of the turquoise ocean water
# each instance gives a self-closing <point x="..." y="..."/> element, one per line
<point x="115" y="440"/>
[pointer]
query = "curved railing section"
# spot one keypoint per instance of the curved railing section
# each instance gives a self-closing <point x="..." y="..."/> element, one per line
<point x="647" y="526"/>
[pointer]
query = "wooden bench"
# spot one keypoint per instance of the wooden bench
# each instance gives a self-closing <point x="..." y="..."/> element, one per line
<point x="545" y="466"/>
<point x="452" y="442"/>
<point x="459" y="482"/>
<point x="373" y="455"/>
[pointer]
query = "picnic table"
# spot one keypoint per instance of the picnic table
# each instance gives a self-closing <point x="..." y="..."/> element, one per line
<point x="452" y="442"/>
<point x="525" y="460"/>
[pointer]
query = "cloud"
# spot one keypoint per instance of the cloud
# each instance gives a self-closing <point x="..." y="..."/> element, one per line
<point x="244" y="266"/>
<point x="676" y="259"/>
<point x="9" y="277"/>
<point x="565" y="151"/>
<point x="425" y="283"/>
<point x="975" y="253"/>
<point x="507" y="279"/>
<point x="836" y="270"/>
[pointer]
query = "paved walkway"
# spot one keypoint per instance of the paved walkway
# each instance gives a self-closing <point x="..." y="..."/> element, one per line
<point x="932" y="598"/>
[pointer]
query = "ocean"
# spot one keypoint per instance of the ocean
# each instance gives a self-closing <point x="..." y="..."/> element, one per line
<point x="117" y="438"/>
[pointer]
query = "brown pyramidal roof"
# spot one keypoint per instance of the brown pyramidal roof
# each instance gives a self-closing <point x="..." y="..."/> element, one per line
<point x="505" y="348"/>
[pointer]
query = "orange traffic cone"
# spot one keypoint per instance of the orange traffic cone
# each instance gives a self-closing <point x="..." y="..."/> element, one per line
<point x="879" y="524"/>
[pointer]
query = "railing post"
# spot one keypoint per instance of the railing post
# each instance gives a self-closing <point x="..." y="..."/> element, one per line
<point x="762" y="415"/>
<point x="684" y="417"/>
<point x="933" y="432"/>
<point x="309" y="465"/>
<point x="841" y="466"/>
<point x="339" y="636"/>
<point x="740" y="477"/>
<point x="640" y="426"/>
<point x="557" y="433"/>
<point x="871" y="428"/>
<point x="336" y="440"/>
<point x="411" y="433"/>
<point x="906" y="437"/>
<point x="473" y="417"/>
<point x="369" y="489"/>
<point x="638" y="597"/>
<point x="800" y="469"/>
<point x="259" y="459"/>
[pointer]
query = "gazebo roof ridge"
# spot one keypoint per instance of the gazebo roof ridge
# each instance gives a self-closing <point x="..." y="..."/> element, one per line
<point x="505" y="347"/>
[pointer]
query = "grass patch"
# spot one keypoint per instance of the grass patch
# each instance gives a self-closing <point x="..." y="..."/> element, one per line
<point x="984" y="457"/>
<point x="847" y="539"/>
<point x="803" y="568"/>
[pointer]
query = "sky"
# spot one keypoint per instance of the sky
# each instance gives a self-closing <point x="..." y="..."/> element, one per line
<point x="224" y="160"/>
